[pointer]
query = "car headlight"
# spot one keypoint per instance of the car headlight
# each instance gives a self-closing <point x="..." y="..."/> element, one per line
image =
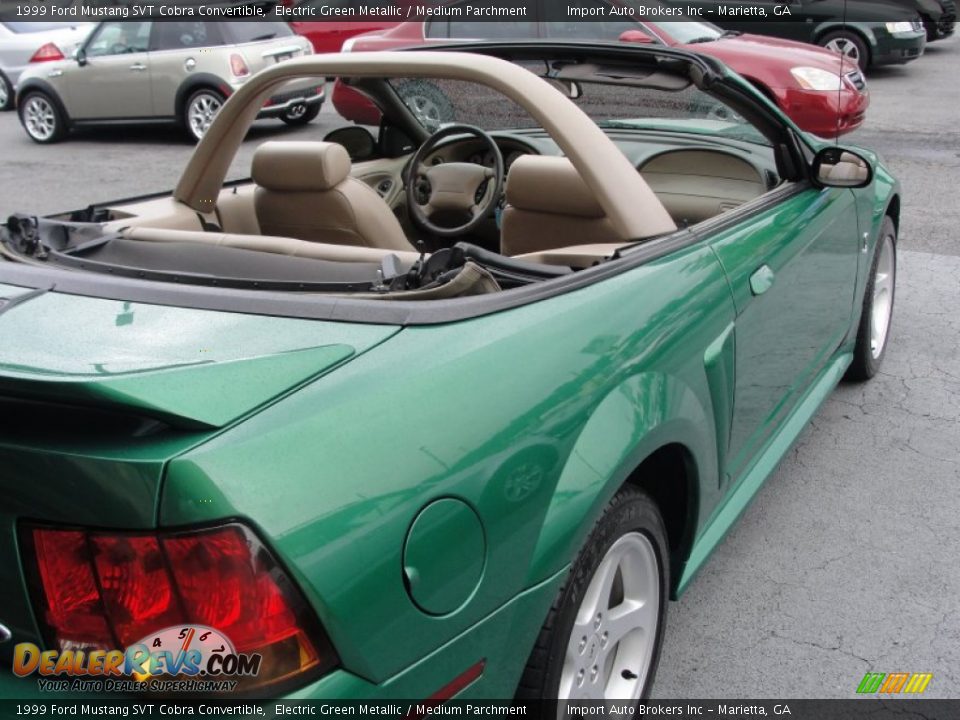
<point x="899" y="28"/>
<point x="810" y="78"/>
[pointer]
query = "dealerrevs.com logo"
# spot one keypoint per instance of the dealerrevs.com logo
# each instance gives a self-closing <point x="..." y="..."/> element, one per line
<point x="195" y="659"/>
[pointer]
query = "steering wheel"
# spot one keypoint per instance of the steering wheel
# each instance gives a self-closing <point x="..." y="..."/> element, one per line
<point x="456" y="186"/>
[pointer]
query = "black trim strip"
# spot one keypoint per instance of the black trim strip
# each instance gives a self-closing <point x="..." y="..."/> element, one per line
<point x="367" y="311"/>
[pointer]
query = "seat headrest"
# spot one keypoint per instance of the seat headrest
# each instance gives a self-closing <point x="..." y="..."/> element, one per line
<point x="546" y="184"/>
<point x="298" y="166"/>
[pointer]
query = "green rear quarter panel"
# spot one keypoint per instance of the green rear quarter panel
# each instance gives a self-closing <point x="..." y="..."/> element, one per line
<point x="533" y="416"/>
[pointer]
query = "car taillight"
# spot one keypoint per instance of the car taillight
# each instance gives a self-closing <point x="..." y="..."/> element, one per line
<point x="238" y="66"/>
<point x="46" y="53"/>
<point x="104" y="591"/>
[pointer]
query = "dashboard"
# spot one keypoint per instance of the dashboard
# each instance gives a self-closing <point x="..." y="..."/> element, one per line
<point x="476" y="152"/>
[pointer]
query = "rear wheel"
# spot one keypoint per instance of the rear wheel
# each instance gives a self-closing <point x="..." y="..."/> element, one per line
<point x="602" y="637"/>
<point x="301" y="114"/>
<point x="878" y="298"/>
<point x="848" y="44"/>
<point x="6" y="93"/>
<point x="200" y="110"/>
<point x="41" y="118"/>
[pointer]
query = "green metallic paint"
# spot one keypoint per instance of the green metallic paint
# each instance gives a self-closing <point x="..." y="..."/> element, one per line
<point x="533" y="416"/>
<point x="441" y="575"/>
<point x="765" y="463"/>
<point x="214" y="369"/>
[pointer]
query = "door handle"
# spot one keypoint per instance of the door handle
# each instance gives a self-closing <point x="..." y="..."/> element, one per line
<point x="761" y="280"/>
<point x="139" y="67"/>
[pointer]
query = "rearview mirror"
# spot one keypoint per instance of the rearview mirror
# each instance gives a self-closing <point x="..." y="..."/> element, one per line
<point x="357" y="141"/>
<point x="570" y="88"/>
<point x="836" y="167"/>
<point x="80" y="55"/>
<point x="635" y="36"/>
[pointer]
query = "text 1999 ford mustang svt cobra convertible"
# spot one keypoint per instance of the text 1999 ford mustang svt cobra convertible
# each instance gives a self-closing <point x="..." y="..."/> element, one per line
<point x="455" y="409"/>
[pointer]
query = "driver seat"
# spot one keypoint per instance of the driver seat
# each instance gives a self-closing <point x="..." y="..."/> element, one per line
<point x="304" y="190"/>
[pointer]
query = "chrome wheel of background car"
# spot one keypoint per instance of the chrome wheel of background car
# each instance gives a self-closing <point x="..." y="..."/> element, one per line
<point x="884" y="279"/>
<point x="39" y="117"/>
<point x="615" y="631"/>
<point x="203" y="107"/>
<point x="844" y="47"/>
<point x="427" y="102"/>
<point x="297" y="111"/>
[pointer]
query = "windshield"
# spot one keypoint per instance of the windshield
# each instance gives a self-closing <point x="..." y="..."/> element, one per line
<point x="656" y="102"/>
<point x="690" y="31"/>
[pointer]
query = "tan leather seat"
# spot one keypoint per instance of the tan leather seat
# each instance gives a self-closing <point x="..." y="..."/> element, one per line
<point x="550" y="206"/>
<point x="304" y="191"/>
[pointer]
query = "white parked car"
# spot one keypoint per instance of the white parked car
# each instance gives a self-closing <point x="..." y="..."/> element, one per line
<point x="24" y="42"/>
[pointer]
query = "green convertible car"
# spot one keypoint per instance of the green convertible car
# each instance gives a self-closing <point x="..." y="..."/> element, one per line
<point x="452" y="411"/>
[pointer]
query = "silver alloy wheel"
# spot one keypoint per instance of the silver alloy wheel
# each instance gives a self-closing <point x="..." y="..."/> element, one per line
<point x="203" y="108"/>
<point x="426" y="110"/>
<point x="881" y="309"/>
<point x="5" y="91"/>
<point x="297" y="111"/>
<point x="845" y="47"/>
<point x="615" y="630"/>
<point x="39" y="117"/>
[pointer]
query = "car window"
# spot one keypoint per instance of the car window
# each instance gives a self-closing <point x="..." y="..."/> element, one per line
<point x="437" y="29"/>
<point x="118" y="38"/>
<point x="182" y="35"/>
<point x="592" y="29"/>
<point x="244" y="32"/>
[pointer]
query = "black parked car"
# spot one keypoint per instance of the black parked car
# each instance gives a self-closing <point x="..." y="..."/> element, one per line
<point x="939" y="17"/>
<point x="871" y="32"/>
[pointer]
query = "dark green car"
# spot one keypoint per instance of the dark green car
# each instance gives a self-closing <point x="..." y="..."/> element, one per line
<point x="452" y="411"/>
<point x="869" y="32"/>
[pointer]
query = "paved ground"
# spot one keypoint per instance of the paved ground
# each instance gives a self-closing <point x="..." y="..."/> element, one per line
<point x="847" y="562"/>
<point x="848" y="559"/>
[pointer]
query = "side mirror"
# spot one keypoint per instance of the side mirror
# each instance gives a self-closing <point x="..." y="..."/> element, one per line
<point x="836" y="167"/>
<point x="394" y="142"/>
<point x="635" y="36"/>
<point x="80" y="55"/>
<point x="357" y="141"/>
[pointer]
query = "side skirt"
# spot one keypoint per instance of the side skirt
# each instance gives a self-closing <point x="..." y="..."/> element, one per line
<point x="766" y="462"/>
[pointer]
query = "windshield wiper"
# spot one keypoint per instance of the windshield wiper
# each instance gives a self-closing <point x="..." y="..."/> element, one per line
<point x="731" y="33"/>
<point x="704" y="39"/>
<point x="268" y="36"/>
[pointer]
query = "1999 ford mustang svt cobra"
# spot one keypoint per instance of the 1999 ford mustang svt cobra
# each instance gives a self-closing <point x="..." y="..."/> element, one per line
<point x="450" y="411"/>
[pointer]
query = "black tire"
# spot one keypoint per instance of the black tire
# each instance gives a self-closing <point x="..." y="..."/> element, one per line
<point x="294" y="120"/>
<point x="630" y="511"/>
<point x="427" y="102"/>
<point x="41" y="117"/>
<point x="851" y="42"/>
<point x="866" y="362"/>
<point x="195" y="127"/>
<point x="7" y="96"/>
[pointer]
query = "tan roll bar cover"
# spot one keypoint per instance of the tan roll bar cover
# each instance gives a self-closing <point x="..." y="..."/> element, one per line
<point x="632" y="208"/>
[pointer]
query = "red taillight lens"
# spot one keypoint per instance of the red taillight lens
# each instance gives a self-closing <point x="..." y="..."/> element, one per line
<point x="110" y="590"/>
<point x="238" y="66"/>
<point x="46" y="53"/>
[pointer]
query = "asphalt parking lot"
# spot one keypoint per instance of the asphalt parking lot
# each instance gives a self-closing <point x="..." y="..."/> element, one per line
<point x="847" y="561"/>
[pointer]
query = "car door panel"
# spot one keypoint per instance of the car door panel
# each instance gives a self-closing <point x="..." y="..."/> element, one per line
<point x="114" y="81"/>
<point x="793" y="275"/>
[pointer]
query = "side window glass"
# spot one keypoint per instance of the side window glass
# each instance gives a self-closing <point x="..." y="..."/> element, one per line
<point x="185" y="35"/>
<point x="438" y="29"/>
<point x="119" y="38"/>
